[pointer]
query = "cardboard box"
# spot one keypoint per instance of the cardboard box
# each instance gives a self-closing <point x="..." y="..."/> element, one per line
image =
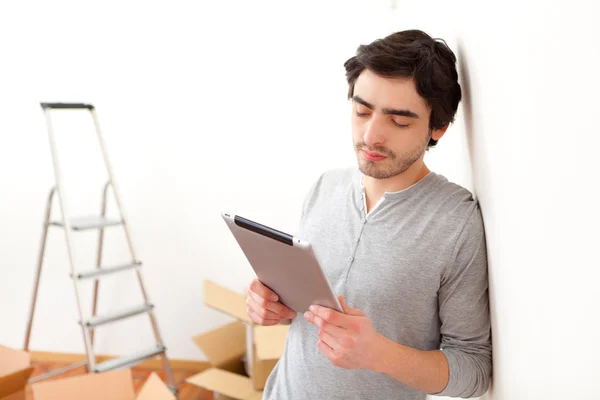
<point x="15" y="370"/>
<point x="113" y="385"/>
<point x="228" y="346"/>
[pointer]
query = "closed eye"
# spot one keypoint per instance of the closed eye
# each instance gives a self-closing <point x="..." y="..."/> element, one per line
<point x="361" y="114"/>
<point x="399" y="125"/>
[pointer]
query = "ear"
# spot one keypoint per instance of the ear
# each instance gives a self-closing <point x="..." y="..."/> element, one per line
<point x="437" y="134"/>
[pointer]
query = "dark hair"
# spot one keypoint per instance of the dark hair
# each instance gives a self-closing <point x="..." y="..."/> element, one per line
<point x="413" y="54"/>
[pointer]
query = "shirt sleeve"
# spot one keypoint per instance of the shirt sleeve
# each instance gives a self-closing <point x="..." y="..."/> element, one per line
<point x="464" y="314"/>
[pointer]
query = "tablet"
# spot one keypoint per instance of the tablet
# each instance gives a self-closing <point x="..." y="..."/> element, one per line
<point x="285" y="264"/>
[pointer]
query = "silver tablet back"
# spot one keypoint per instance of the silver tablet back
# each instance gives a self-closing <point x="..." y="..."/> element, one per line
<point x="285" y="264"/>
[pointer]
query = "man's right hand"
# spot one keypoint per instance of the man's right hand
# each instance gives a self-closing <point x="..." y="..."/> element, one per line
<point x="264" y="308"/>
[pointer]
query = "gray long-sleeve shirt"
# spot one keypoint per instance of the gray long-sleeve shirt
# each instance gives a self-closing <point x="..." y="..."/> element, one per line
<point x="416" y="265"/>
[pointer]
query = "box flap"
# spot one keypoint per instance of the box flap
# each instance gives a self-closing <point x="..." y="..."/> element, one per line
<point x="260" y="371"/>
<point x="224" y="382"/>
<point x="14" y="382"/>
<point x="224" y="344"/>
<point x="270" y="341"/>
<point x="13" y="360"/>
<point x="155" y="389"/>
<point x="114" y="385"/>
<point x="226" y="301"/>
<point x="20" y="395"/>
<point x="256" y="396"/>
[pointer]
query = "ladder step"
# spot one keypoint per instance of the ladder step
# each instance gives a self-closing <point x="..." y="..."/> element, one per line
<point x="99" y="272"/>
<point x="102" y="320"/>
<point x="130" y="360"/>
<point x="57" y="372"/>
<point x="67" y="105"/>
<point x="89" y="222"/>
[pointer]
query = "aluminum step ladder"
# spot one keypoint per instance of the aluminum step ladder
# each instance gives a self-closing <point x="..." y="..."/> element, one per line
<point x="99" y="222"/>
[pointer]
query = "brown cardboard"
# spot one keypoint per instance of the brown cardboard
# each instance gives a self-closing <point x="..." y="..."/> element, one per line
<point x="226" y="301"/>
<point x="155" y="389"/>
<point x="20" y="395"/>
<point x="12" y="387"/>
<point x="270" y="341"/>
<point x="260" y="370"/>
<point x="13" y="360"/>
<point x="113" y="385"/>
<point x="262" y="346"/>
<point x="267" y="348"/>
<point x="15" y="370"/>
<point x="108" y="385"/>
<point x="224" y="347"/>
<point x="226" y="383"/>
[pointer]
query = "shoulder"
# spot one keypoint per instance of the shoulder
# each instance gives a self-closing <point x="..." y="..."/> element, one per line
<point x="461" y="223"/>
<point x="338" y="176"/>
<point x="456" y="212"/>
<point x="452" y="201"/>
<point x="334" y="180"/>
<point x="328" y="186"/>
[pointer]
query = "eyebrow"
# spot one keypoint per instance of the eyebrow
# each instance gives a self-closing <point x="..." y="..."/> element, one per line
<point x="390" y="111"/>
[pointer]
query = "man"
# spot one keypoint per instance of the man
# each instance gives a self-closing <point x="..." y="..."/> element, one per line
<point x="403" y="246"/>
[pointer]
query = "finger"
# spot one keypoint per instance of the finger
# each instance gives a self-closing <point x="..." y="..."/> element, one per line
<point x="326" y="350"/>
<point x="343" y="303"/>
<point x="260" y="289"/>
<point x="330" y="328"/>
<point x="347" y="309"/>
<point x="330" y="315"/>
<point x="329" y="340"/>
<point x="260" y="320"/>
<point x="262" y="311"/>
<point x="275" y="307"/>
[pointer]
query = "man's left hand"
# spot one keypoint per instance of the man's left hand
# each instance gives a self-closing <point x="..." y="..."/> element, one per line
<point x="347" y="339"/>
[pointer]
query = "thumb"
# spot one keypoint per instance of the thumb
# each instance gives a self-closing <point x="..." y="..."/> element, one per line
<point x="347" y="309"/>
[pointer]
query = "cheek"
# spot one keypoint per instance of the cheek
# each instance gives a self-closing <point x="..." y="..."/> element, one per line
<point x="358" y="129"/>
<point x="400" y="142"/>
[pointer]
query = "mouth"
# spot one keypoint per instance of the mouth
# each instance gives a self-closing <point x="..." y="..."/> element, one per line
<point x="373" y="156"/>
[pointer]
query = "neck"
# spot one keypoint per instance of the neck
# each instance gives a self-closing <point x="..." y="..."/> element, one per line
<point x="375" y="188"/>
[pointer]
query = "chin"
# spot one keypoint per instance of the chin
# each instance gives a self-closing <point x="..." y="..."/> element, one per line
<point x="368" y="169"/>
<point x="378" y="170"/>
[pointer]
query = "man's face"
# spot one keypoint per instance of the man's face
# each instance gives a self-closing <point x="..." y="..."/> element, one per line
<point x="390" y="124"/>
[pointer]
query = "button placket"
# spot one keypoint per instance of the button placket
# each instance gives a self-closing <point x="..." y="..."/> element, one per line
<point x="351" y="258"/>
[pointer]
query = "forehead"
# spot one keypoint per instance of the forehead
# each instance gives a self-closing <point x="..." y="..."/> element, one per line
<point x="396" y="93"/>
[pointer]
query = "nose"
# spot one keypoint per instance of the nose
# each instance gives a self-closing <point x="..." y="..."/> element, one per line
<point x="374" y="133"/>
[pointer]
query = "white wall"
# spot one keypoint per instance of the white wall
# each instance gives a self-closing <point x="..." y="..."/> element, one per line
<point x="205" y="107"/>
<point x="534" y="84"/>
<point x="219" y="106"/>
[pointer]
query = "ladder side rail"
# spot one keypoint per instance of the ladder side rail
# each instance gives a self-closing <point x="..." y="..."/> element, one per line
<point x="99" y="259"/>
<point x="38" y="273"/>
<point x="117" y="195"/>
<point x="67" y="227"/>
